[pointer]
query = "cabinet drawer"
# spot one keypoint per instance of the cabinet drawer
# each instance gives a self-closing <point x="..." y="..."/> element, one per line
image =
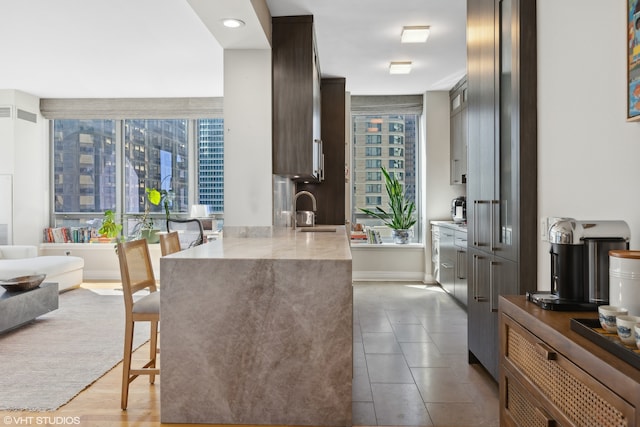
<point x="520" y="408"/>
<point x="460" y="239"/>
<point x="570" y="392"/>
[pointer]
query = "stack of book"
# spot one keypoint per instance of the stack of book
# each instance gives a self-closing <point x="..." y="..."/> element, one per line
<point x="373" y="236"/>
<point x="68" y="234"/>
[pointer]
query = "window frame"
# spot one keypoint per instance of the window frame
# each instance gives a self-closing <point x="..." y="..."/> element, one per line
<point x="191" y="109"/>
<point x="395" y="142"/>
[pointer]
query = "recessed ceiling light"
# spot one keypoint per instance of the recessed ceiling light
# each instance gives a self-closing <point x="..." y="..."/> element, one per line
<point x="414" y="34"/>
<point x="232" y="23"/>
<point x="401" y="67"/>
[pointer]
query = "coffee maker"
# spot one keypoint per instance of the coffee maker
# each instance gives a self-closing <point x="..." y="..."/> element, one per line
<point x="580" y="263"/>
<point x="459" y="210"/>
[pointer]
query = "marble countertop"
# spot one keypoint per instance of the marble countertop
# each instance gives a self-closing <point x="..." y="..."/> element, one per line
<point x="283" y="244"/>
<point x="450" y="224"/>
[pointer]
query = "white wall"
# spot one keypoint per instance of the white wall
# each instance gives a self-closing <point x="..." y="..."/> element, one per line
<point x="587" y="153"/>
<point x="384" y="263"/>
<point x="438" y="189"/>
<point x="247" y="148"/>
<point x="24" y="154"/>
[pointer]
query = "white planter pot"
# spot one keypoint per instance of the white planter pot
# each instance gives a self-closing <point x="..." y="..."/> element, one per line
<point x="400" y="237"/>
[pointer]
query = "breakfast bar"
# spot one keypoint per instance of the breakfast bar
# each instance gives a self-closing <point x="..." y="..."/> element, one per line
<point x="258" y="331"/>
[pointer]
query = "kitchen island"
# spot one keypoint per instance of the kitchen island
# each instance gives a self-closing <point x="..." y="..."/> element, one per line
<point x="258" y="331"/>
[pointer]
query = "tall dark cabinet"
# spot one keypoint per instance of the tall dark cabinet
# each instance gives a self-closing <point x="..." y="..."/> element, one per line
<point x="502" y="164"/>
<point x="330" y="193"/>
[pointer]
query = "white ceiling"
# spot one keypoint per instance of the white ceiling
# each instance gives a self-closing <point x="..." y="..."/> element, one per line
<point x="151" y="48"/>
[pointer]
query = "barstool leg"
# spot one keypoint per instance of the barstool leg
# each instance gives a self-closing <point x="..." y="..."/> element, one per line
<point x="126" y="362"/>
<point x="153" y="349"/>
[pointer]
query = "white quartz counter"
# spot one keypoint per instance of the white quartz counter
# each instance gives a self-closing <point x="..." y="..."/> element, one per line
<point x="284" y="244"/>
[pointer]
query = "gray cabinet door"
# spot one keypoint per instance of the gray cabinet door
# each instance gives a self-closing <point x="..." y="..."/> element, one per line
<point x="492" y="276"/>
<point x="502" y="177"/>
<point x="458" y="99"/>
<point x="447" y="260"/>
<point x="481" y="337"/>
<point x="460" y="289"/>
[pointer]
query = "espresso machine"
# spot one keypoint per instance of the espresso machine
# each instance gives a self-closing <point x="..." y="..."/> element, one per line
<point x="580" y="263"/>
<point x="459" y="210"/>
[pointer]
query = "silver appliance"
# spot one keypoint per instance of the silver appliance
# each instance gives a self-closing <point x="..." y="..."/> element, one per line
<point x="580" y="262"/>
<point x="459" y="210"/>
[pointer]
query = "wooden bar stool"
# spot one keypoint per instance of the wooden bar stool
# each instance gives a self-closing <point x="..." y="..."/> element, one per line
<point x="137" y="274"/>
<point x="169" y="243"/>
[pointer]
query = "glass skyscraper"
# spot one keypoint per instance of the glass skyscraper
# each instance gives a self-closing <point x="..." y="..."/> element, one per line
<point x="211" y="164"/>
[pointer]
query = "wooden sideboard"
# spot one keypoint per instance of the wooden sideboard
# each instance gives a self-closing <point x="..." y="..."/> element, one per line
<point x="552" y="376"/>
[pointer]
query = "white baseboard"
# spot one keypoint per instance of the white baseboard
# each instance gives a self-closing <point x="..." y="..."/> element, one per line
<point x="399" y="276"/>
<point x="101" y="275"/>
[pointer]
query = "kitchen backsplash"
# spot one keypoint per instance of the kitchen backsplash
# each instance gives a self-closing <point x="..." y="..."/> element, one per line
<point x="283" y="189"/>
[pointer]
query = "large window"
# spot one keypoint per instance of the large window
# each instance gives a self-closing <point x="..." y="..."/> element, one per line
<point x="108" y="164"/>
<point x="84" y="165"/>
<point x="398" y="152"/>
<point x="156" y="156"/>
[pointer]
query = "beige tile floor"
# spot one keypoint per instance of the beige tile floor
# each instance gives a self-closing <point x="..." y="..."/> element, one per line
<point x="410" y="360"/>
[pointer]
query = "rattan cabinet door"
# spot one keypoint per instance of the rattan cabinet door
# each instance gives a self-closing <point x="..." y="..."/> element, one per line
<point x="569" y="394"/>
<point x="520" y="408"/>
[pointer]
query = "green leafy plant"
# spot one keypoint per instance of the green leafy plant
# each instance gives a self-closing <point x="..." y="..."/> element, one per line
<point x="159" y="196"/>
<point x="109" y="227"/>
<point x="401" y="214"/>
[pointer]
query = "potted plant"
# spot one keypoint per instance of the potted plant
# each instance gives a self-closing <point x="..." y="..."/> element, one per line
<point x="109" y="229"/>
<point x="145" y="228"/>
<point x="401" y="215"/>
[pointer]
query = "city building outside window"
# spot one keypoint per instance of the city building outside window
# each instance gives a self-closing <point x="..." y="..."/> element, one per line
<point x="374" y="139"/>
<point x="376" y="164"/>
<point x="84" y="165"/>
<point x="155" y="154"/>
<point x="374" y="188"/>
<point x="374" y="200"/>
<point x="398" y="152"/>
<point x="211" y="161"/>
<point x="374" y="176"/>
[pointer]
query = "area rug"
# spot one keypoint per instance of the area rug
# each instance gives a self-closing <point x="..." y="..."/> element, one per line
<point x="50" y="360"/>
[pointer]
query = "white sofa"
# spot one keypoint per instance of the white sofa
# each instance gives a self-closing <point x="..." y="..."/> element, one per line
<point x="23" y="260"/>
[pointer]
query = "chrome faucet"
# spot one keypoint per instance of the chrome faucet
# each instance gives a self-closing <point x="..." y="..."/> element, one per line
<point x="305" y="193"/>
<point x="295" y="199"/>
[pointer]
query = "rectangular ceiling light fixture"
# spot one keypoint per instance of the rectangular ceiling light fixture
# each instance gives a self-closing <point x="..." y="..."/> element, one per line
<point x="403" y="67"/>
<point x="415" y="34"/>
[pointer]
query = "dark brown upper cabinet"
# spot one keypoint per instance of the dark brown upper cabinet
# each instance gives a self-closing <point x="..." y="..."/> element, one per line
<point x="297" y="144"/>
<point x="330" y="194"/>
